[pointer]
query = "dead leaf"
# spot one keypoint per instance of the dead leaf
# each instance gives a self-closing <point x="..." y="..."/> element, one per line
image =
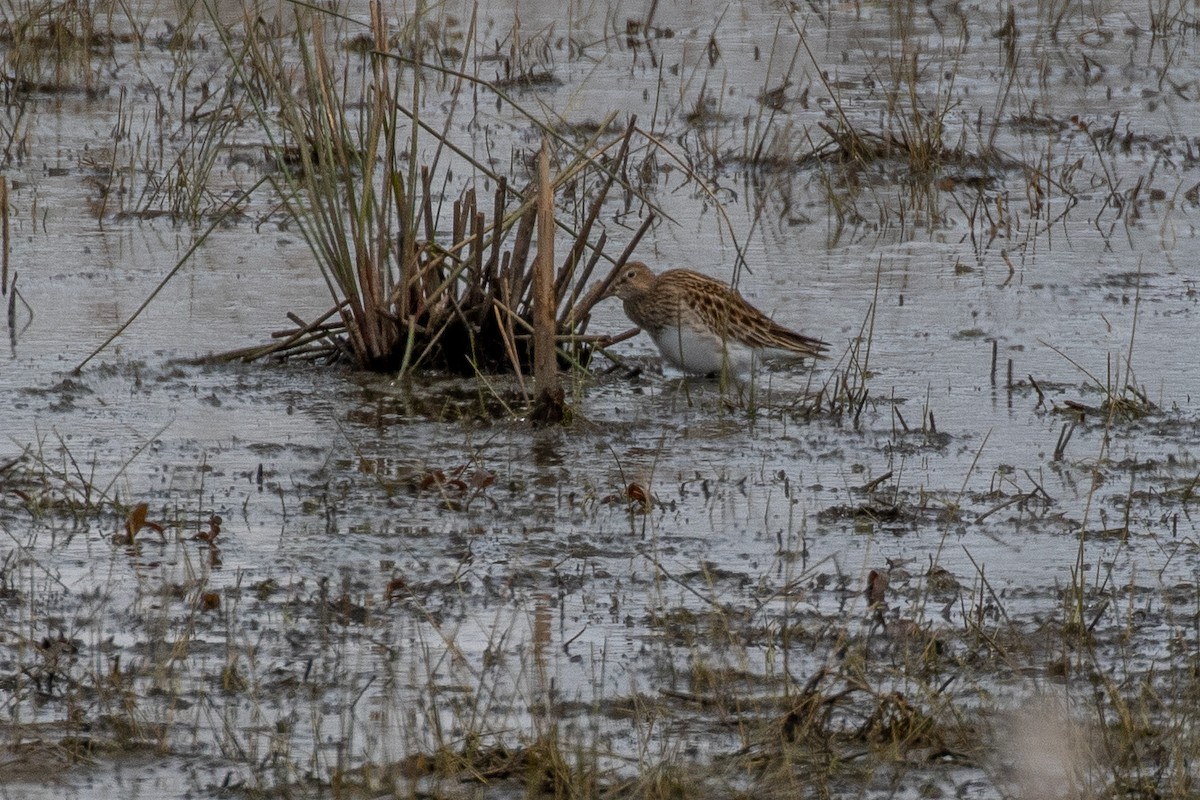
<point x="136" y="519"/>
<point x="482" y="479"/>
<point x="634" y="493"/>
<point x="214" y="530"/>
<point x="397" y="589"/>
<point x="877" y="585"/>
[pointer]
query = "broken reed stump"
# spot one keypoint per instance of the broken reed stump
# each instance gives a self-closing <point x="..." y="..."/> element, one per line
<point x="548" y="405"/>
<point x="3" y="235"/>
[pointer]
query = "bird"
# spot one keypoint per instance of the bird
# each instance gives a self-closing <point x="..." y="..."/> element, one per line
<point x="701" y="325"/>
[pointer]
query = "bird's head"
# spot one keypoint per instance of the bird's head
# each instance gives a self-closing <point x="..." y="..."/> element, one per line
<point x="633" y="279"/>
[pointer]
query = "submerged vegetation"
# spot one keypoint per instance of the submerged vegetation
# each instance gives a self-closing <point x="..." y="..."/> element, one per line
<point x="906" y="574"/>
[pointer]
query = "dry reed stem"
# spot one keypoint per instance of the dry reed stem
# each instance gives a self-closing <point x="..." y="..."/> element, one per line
<point x="4" y="244"/>
<point x="508" y="339"/>
<point x="549" y="405"/>
<point x="567" y="271"/>
<point x="596" y="293"/>
<point x="303" y="335"/>
<point x="569" y="319"/>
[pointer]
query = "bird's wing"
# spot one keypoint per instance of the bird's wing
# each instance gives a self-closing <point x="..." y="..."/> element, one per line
<point x="733" y="317"/>
<point x="703" y="296"/>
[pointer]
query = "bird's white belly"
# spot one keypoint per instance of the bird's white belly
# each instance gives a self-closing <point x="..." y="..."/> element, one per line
<point x="701" y="353"/>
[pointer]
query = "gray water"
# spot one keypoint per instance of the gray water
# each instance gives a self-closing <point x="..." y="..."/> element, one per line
<point x="368" y="611"/>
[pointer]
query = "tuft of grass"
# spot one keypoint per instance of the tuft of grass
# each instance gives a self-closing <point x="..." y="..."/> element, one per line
<point x="411" y="289"/>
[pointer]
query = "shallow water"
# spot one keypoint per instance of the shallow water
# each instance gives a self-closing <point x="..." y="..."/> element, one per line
<point x="372" y="608"/>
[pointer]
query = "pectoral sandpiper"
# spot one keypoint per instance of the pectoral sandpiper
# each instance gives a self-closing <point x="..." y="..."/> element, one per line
<point x="701" y="325"/>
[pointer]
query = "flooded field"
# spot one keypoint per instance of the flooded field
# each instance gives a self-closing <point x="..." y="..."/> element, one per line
<point x="957" y="559"/>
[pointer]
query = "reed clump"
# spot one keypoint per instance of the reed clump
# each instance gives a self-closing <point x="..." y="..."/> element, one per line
<point x="412" y="286"/>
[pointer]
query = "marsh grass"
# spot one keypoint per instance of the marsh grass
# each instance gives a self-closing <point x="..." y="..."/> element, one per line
<point x="1123" y="400"/>
<point x="57" y="47"/>
<point x="408" y="292"/>
<point x="54" y="49"/>
<point x="418" y="278"/>
<point x="896" y="149"/>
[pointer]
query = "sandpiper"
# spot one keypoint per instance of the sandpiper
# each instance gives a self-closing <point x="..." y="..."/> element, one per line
<point x="701" y="325"/>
